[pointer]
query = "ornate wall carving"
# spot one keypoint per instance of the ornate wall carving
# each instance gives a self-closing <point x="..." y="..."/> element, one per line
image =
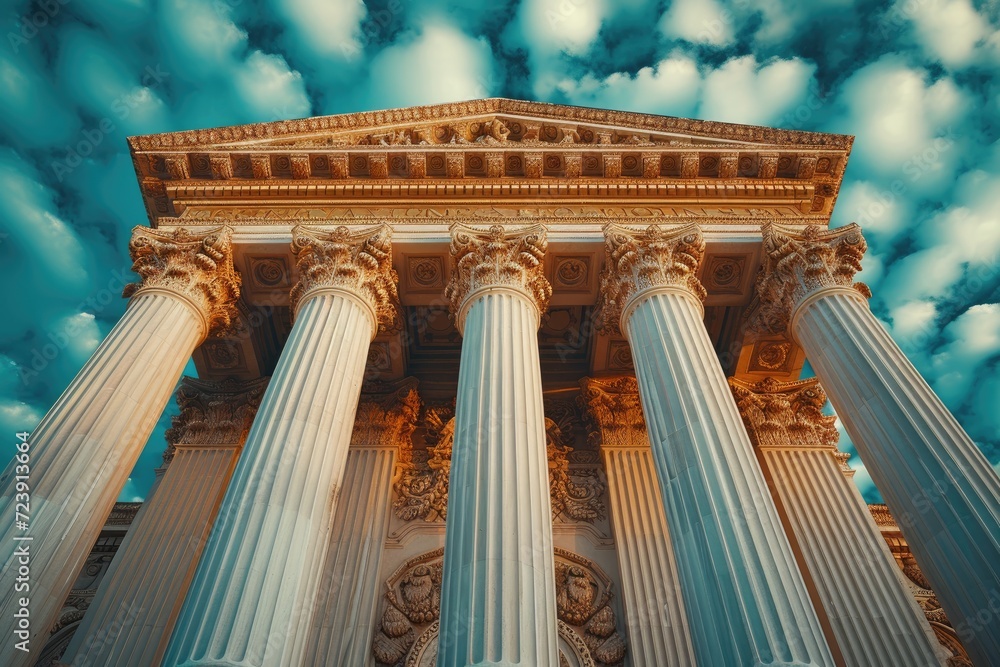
<point x="199" y="267"/>
<point x="577" y="492"/>
<point x="357" y="261"/>
<point x="412" y="606"/>
<point x="637" y="261"/>
<point x="799" y="263"/>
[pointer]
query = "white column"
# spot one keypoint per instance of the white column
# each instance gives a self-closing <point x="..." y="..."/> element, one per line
<point x="657" y="623"/>
<point x="85" y="447"/>
<point x="251" y="601"/>
<point x="874" y="619"/>
<point x="344" y="623"/>
<point x="934" y="479"/>
<point x="746" y="600"/>
<point x="154" y="565"/>
<point x="498" y="603"/>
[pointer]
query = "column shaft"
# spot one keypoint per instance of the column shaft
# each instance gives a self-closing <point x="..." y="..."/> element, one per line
<point x="349" y="591"/>
<point x="252" y="597"/>
<point x="746" y="600"/>
<point x="148" y="579"/>
<point x="874" y="619"/>
<point x="498" y="602"/>
<point x="654" y="610"/>
<point x="939" y="486"/>
<point x="657" y="624"/>
<point x="84" y="450"/>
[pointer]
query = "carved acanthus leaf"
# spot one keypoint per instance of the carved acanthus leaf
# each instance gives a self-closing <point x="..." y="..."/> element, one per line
<point x="800" y="263"/>
<point x="387" y="415"/>
<point x="498" y="258"/>
<point x="360" y="262"/>
<point x="199" y="267"/>
<point x="638" y="261"/>
<point x="214" y="413"/>
<point x="785" y="414"/>
<point x="422" y="488"/>
<point x="613" y="407"/>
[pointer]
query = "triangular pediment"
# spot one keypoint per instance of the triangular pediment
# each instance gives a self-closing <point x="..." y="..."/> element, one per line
<point x="489" y="122"/>
<point x="486" y="153"/>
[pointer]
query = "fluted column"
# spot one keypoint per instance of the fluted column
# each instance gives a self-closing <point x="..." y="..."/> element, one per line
<point x="874" y="619"/>
<point x="344" y="623"/>
<point x="252" y="598"/>
<point x="746" y="601"/>
<point x="498" y="603"/>
<point x="85" y="447"/>
<point x="934" y="479"/>
<point x="155" y="563"/>
<point x="657" y="623"/>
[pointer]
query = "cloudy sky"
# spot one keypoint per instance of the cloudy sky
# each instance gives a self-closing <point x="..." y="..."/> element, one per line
<point x="915" y="80"/>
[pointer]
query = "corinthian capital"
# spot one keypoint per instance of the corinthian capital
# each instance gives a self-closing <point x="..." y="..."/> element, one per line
<point x="613" y="407"/>
<point x="798" y="264"/>
<point x="359" y="263"/>
<point x="196" y="267"/>
<point x="785" y="414"/>
<point x="387" y="417"/>
<point x="497" y="258"/>
<point x="214" y="413"/>
<point x="635" y="262"/>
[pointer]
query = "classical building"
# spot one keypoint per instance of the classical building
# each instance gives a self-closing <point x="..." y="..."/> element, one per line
<point x="499" y="383"/>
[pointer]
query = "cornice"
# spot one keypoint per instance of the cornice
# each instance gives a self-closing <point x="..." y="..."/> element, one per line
<point x="456" y="110"/>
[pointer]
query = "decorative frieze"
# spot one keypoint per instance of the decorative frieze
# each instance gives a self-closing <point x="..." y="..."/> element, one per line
<point x="639" y="261"/>
<point x="356" y="262"/>
<point x="196" y="267"/>
<point x="798" y="264"/>
<point x="497" y="258"/>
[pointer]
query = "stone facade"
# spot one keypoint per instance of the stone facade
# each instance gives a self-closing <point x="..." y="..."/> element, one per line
<point x="534" y="398"/>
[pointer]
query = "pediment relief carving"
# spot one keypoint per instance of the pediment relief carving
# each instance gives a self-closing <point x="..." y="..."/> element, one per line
<point x="523" y="120"/>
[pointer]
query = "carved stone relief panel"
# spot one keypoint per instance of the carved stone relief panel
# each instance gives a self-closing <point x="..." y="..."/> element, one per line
<point x="407" y="630"/>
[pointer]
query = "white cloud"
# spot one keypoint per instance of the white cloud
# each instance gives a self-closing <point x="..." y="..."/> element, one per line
<point x="270" y="89"/>
<point x="903" y="122"/>
<point x="441" y="64"/>
<point x="949" y="29"/>
<point x="745" y="91"/>
<point x="561" y="25"/>
<point x="878" y="210"/>
<point x="975" y="337"/>
<point x="324" y="27"/>
<point x="699" y="22"/>
<point x="551" y="30"/>
<point x="912" y="318"/>
<point x="671" y="87"/>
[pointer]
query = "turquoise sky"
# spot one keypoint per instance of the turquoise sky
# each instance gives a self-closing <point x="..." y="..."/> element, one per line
<point x="916" y="81"/>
